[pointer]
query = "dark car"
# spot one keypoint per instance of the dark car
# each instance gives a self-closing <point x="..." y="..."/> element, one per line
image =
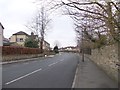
<point x="56" y="50"/>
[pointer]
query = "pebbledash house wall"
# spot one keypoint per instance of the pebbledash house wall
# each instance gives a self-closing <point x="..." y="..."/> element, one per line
<point x="107" y="58"/>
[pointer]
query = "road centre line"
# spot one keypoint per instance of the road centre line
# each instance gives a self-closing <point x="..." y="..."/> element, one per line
<point x="29" y="74"/>
<point x="52" y="64"/>
<point x="23" y="76"/>
<point x="55" y="63"/>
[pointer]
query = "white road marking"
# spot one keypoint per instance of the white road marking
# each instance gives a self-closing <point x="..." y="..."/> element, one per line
<point x="75" y="77"/>
<point x="52" y="64"/>
<point x="55" y="63"/>
<point x="22" y="77"/>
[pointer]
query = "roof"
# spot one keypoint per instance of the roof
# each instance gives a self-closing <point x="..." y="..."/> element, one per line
<point x="20" y="33"/>
<point x="5" y="39"/>
<point x="1" y="25"/>
<point x="72" y="47"/>
<point x="6" y="42"/>
<point x="46" y="42"/>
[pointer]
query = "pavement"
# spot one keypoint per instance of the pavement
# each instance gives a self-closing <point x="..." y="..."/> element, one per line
<point x="24" y="60"/>
<point x="89" y="75"/>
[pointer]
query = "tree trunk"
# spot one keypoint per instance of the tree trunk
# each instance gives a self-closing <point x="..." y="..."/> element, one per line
<point x="41" y="45"/>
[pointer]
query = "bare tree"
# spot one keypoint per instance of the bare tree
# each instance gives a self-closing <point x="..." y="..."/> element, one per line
<point x="98" y="20"/>
<point x="40" y="25"/>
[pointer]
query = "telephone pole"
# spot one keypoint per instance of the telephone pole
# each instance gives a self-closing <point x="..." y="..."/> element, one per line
<point x="82" y="48"/>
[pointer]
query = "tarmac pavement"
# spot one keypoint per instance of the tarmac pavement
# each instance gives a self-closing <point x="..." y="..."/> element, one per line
<point x="89" y="75"/>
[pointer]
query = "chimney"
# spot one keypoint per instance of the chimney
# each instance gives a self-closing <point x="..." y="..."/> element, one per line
<point x="32" y="34"/>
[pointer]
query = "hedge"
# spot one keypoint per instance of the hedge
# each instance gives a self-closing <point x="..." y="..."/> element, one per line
<point x="11" y="50"/>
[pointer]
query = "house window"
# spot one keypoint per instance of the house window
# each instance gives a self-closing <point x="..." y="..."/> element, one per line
<point x="21" y="39"/>
<point x="18" y="40"/>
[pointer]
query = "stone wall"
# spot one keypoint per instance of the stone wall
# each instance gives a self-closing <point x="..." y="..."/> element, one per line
<point x="24" y="56"/>
<point x="107" y="59"/>
<point x="18" y="57"/>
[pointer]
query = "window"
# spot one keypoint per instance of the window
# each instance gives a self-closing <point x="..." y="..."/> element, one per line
<point x="21" y="39"/>
<point x="18" y="40"/>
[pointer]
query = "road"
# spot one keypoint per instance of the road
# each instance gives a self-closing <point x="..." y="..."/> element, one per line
<point x="51" y="72"/>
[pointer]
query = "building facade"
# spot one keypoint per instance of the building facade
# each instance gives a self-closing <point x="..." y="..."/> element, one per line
<point x="6" y="42"/>
<point x="46" y="45"/>
<point x="19" y="38"/>
<point x="1" y="34"/>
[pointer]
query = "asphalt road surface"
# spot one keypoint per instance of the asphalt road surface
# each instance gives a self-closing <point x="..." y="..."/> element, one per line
<point x="51" y="72"/>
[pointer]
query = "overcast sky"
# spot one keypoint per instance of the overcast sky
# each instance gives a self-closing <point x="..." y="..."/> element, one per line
<point x="16" y="13"/>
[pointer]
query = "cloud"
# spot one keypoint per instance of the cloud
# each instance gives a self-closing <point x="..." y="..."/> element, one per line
<point x="16" y="13"/>
<point x="62" y="31"/>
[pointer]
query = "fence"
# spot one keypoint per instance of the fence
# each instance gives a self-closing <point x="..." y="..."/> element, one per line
<point x="10" y="50"/>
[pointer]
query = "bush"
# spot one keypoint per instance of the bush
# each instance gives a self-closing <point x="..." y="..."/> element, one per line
<point x="31" y="43"/>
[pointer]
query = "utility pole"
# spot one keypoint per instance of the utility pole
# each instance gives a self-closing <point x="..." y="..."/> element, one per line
<point x="82" y="48"/>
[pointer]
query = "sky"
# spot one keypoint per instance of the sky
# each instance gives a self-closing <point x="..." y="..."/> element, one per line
<point x="15" y="14"/>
